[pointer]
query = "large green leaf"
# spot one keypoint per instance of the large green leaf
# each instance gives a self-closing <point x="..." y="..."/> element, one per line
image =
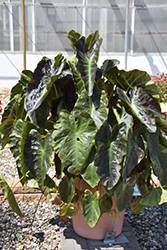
<point x="9" y="195"/>
<point x="73" y="139"/>
<point x="90" y="207"/>
<point x="162" y="124"/>
<point x="133" y="156"/>
<point x="37" y="153"/>
<point x="111" y="147"/>
<point x="155" y="196"/>
<point x="99" y="115"/>
<point x="89" y="173"/>
<point x="136" y="207"/>
<point x="139" y="107"/>
<point x="73" y="36"/>
<point x="124" y="193"/>
<point x="66" y="189"/>
<point x="40" y="91"/>
<point x="160" y="166"/>
<point x="78" y="81"/>
<point x="87" y="62"/>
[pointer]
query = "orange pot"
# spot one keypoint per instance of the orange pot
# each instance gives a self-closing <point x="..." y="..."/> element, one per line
<point x="105" y="222"/>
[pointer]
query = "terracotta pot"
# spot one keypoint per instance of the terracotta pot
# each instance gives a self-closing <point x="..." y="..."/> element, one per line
<point x="105" y="222"/>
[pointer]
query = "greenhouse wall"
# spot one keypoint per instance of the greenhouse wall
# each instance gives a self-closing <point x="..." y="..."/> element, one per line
<point x="132" y="30"/>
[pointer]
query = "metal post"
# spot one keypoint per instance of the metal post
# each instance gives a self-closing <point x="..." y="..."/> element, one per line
<point x="84" y="18"/>
<point x="24" y="35"/>
<point x="132" y="27"/>
<point x="126" y="32"/>
<point x="11" y="29"/>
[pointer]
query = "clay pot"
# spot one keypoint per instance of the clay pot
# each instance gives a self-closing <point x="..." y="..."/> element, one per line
<point x="105" y="222"/>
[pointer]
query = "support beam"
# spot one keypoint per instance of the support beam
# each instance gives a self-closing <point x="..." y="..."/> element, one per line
<point x="24" y="35"/>
<point x="126" y="32"/>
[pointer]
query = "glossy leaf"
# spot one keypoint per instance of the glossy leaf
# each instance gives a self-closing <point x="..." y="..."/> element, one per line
<point x="9" y="195"/>
<point x="78" y="81"/>
<point x="74" y="139"/>
<point x="139" y="107"/>
<point x="87" y="63"/>
<point x="109" y="64"/>
<point x="160" y="166"/>
<point x="40" y="90"/>
<point x="58" y="165"/>
<point x="133" y="156"/>
<point x="99" y="115"/>
<point x="37" y="153"/>
<point x="90" y="207"/>
<point x="66" y="189"/>
<point x="124" y="193"/>
<point x="73" y="36"/>
<point x="111" y="147"/>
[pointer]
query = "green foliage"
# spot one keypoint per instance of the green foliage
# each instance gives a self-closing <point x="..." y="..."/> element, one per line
<point x="103" y="125"/>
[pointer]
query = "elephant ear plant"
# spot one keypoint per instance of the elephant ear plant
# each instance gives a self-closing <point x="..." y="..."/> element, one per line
<point x="103" y="125"/>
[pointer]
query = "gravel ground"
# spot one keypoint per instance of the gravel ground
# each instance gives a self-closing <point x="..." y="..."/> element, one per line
<point x="149" y="227"/>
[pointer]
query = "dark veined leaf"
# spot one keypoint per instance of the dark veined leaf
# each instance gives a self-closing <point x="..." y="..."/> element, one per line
<point x="114" y="75"/>
<point x="105" y="203"/>
<point x="99" y="115"/>
<point x="87" y="63"/>
<point x="124" y="193"/>
<point x="133" y="156"/>
<point x="9" y="195"/>
<point x="136" y="207"/>
<point x="41" y="91"/>
<point x="111" y="147"/>
<point x="89" y="173"/>
<point x="139" y="107"/>
<point x="156" y="157"/>
<point x="109" y="64"/>
<point x="92" y="39"/>
<point x="73" y="139"/>
<point x="66" y="189"/>
<point x="79" y="83"/>
<point x="155" y="196"/>
<point x="37" y="153"/>
<point x="7" y="126"/>
<point x="69" y="95"/>
<point x="162" y="124"/>
<point x="154" y="106"/>
<point x="90" y="207"/>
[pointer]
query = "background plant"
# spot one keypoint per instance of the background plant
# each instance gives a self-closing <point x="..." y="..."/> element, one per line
<point x="160" y="81"/>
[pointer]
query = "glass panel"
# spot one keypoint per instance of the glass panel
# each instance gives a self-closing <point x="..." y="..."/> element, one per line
<point x="4" y="28"/>
<point x="150" y="30"/>
<point x="150" y="2"/>
<point x="106" y="2"/>
<point x="47" y="2"/>
<point x="52" y="26"/>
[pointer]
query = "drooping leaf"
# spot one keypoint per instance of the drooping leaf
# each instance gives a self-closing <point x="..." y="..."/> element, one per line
<point x="105" y="203"/>
<point x="37" y="153"/>
<point x="124" y="193"/>
<point x="109" y="64"/>
<point x="89" y="173"/>
<point x="68" y="210"/>
<point x="154" y="197"/>
<point x="136" y="207"/>
<point x="73" y="139"/>
<point x="111" y="147"/>
<point x="9" y="196"/>
<point x="90" y="207"/>
<point x="162" y="124"/>
<point x="7" y="126"/>
<point x="87" y="63"/>
<point x="133" y="156"/>
<point x="69" y="95"/>
<point x="99" y="115"/>
<point x="154" y="106"/>
<point x="160" y="166"/>
<point x="40" y="91"/>
<point x="66" y="189"/>
<point x="139" y="107"/>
